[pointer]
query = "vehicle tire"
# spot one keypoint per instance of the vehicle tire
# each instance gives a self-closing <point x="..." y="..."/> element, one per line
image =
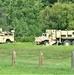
<point x="8" y="41"/>
<point x="67" y="43"/>
<point x="46" y="43"/>
<point x="73" y="42"/>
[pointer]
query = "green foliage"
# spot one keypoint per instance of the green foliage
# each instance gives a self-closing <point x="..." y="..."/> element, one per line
<point x="59" y="16"/>
<point x="66" y="1"/>
<point x="27" y="38"/>
<point x="32" y="17"/>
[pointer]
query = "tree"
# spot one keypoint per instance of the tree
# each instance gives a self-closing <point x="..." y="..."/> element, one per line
<point x="59" y="16"/>
<point x="30" y="18"/>
<point x="22" y="16"/>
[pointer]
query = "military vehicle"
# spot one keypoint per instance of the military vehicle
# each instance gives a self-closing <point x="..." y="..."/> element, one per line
<point x="6" y="36"/>
<point x="51" y="37"/>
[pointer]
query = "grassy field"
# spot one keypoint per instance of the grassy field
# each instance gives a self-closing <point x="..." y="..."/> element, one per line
<point x="56" y="59"/>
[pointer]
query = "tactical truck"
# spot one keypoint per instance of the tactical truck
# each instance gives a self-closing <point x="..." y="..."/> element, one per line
<point x="51" y="37"/>
<point x="6" y="36"/>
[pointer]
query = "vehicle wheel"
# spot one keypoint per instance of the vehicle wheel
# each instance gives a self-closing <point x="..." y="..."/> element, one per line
<point x="73" y="42"/>
<point x="8" y="41"/>
<point x="46" y="43"/>
<point x="67" y="43"/>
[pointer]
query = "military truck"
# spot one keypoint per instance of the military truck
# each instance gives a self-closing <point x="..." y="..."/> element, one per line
<point x="6" y="36"/>
<point x="51" y="37"/>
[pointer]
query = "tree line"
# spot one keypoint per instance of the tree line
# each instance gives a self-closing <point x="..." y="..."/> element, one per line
<point x="29" y="18"/>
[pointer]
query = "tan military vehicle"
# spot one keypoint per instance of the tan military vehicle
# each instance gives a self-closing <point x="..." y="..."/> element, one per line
<point x="58" y="37"/>
<point x="6" y="36"/>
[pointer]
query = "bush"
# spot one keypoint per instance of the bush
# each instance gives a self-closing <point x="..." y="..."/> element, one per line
<point x="27" y="39"/>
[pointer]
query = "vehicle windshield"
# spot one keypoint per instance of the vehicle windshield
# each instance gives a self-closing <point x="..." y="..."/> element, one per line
<point x="44" y="34"/>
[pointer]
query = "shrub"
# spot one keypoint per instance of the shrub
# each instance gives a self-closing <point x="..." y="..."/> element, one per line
<point x="27" y="39"/>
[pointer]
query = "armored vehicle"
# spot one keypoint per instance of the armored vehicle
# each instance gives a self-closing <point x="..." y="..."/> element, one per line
<point x="6" y="36"/>
<point x="51" y="37"/>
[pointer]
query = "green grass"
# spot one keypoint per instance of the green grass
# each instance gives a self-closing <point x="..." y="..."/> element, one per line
<point x="56" y="59"/>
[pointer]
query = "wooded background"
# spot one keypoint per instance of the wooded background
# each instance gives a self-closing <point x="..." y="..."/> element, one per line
<point x="29" y="18"/>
